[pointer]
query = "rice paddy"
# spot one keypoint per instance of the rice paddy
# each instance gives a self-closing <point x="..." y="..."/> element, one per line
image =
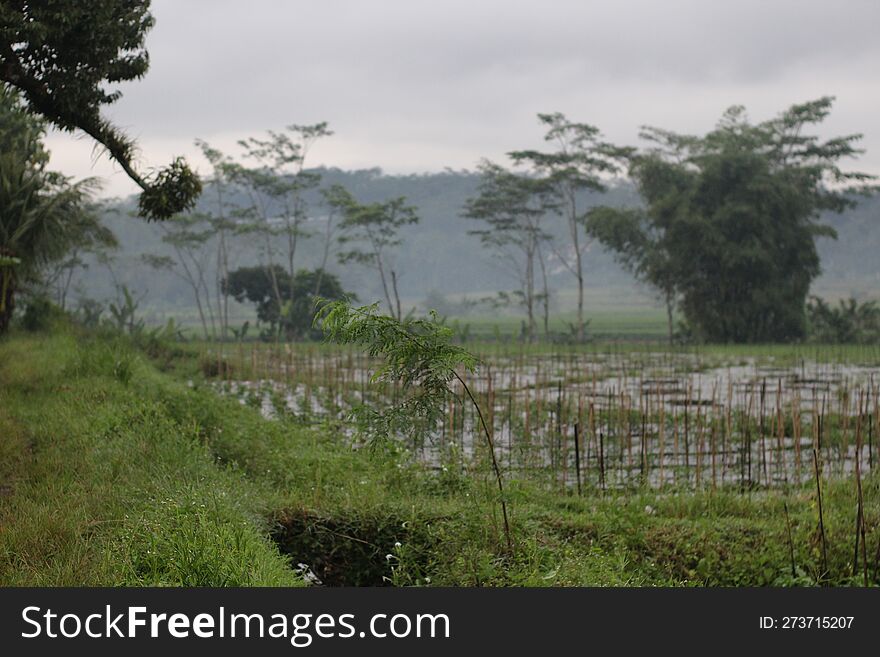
<point x="576" y="420"/>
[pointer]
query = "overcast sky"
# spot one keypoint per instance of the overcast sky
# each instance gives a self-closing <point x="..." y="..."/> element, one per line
<point x="415" y="86"/>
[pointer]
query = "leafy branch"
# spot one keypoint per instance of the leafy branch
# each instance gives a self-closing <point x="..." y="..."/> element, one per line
<point x="417" y="353"/>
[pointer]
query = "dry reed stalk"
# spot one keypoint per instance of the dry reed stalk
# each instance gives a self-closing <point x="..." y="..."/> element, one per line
<point x="860" y="520"/>
<point x="728" y="430"/>
<point x="592" y="438"/>
<point x="762" y="430"/>
<point x="643" y="439"/>
<point x="746" y="440"/>
<point x="687" y="465"/>
<point x="781" y="465"/>
<point x="675" y="451"/>
<point x="564" y="456"/>
<point x="712" y="440"/>
<point x="871" y="422"/>
<point x="627" y="414"/>
<point x="821" y="517"/>
<point x="699" y="451"/>
<point x="796" y="430"/>
<point x="662" y="433"/>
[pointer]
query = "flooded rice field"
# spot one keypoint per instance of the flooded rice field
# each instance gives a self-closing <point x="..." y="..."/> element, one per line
<point x="601" y="420"/>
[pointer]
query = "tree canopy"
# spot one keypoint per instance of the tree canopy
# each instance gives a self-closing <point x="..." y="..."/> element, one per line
<point x="731" y="219"/>
<point x="576" y="165"/>
<point x="64" y="56"/>
<point x="295" y="315"/>
<point x="369" y="230"/>
<point x="512" y="208"/>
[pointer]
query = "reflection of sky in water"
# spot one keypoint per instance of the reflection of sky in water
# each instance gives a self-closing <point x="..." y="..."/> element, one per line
<point x="708" y="396"/>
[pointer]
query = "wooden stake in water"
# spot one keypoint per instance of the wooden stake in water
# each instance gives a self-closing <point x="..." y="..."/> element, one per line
<point x="662" y="434"/>
<point x="821" y="517"/>
<point x="860" y="517"/>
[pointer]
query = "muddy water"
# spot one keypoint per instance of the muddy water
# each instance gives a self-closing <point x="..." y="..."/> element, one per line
<point x="702" y="423"/>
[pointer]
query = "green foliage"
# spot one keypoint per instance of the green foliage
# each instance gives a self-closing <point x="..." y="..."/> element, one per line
<point x="88" y="313"/>
<point x="575" y="166"/>
<point x="371" y="229"/>
<point x="375" y="224"/>
<point x="292" y="318"/>
<point x="162" y="484"/>
<point x="638" y="246"/>
<point x="731" y="218"/>
<point x="513" y="208"/>
<point x="276" y="189"/>
<point x="172" y="190"/>
<point x="40" y="314"/>
<point x="124" y="313"/>
<point x="63" y="56"/>
<point x="415" y="352"/>
<point x="849" y="323"/>
<point x="42" y="215"/>
<point x="113" y="486"/>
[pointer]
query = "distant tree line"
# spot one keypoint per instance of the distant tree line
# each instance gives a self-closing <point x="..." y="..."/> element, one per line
<point x="725" y="232"/>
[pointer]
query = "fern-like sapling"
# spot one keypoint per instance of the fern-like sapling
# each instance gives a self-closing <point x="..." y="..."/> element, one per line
<point x="416" y="353"/>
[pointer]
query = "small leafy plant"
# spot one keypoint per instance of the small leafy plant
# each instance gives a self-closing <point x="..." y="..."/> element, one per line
<point x="417" y="353"/>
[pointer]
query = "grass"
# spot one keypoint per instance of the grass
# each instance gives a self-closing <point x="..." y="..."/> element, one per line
<point x="115" y="473"/>
<point x="107" y="487"/>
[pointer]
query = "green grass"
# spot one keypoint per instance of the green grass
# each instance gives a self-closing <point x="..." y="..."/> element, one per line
<point x="114" y="473"/>
<point x="106" y="487"/>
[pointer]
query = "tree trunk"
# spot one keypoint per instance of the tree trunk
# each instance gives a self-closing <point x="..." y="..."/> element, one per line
<point x="578" y="259"/>
<point x="396" y="294"/>
<point x="546" y="296"/>
<point x="378" y="257"/>
<point x="530" y="293"/>
<point x="7" y="298"/>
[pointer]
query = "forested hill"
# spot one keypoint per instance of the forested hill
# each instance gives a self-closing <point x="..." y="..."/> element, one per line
<point x="438" y="256"/>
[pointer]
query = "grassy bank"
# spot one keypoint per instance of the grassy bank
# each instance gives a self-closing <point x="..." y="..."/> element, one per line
<point x="112" y="472"/>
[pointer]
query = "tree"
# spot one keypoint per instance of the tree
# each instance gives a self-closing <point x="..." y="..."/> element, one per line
<point x="62" y="55"/>
<point x="512" y="206"/>
<point x="42" y="214"/>
<point x="638" y="245"/>
<point x="574" y="167"/>
<point x="224" y="224"/>
<point x="276" y="188"/>
<point x="418" y="354"/>
<point x="851" y="322"/>
<point x="88" y="236"/>
<point x="191" y="236"/>
<point x="293" y="318"/>
<point x="734" y="216"/>
<point x="371" y="229"/>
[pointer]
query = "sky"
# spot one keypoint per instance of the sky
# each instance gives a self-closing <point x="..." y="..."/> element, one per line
<point x="415" y="86"/>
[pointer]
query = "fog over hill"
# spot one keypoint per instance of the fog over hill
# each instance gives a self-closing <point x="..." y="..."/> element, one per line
<point x="439" y="260"/>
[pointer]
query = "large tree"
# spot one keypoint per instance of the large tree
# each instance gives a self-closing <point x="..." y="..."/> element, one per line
<point x="734" y="216"/>
<point x="638" y="245"/>
<point x="64" y="55"/>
